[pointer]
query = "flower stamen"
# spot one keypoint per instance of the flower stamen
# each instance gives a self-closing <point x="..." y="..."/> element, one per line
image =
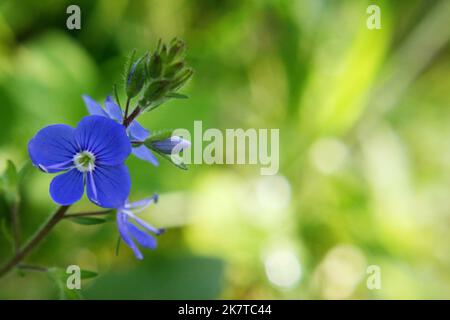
<point x="84" y="161"/>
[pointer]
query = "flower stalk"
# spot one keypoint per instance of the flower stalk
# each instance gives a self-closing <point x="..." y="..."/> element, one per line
<point x="34" y="240"/>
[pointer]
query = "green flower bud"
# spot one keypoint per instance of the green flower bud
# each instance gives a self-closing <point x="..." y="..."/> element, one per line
<point x="155" y="66"/>
<point x="136" y="77"/>
<point x="181" y="79"/>
<point x="177" y="49"/>
<point x="154" y="92"/>
<point x="174" y="69"/>
<point x="163" y="52"/>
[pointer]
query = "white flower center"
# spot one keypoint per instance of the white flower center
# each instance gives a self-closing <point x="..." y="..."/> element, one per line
<point x="84" y="161"/>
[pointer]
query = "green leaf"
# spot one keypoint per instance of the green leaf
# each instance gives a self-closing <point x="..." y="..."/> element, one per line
<point x="181" y="165"/>
<point x="176" y="95"/>
<point x="11" y="182"/>
<point x="87" y="274"/>
<point x="88" y="220"/>
<point x="158" y="136"/>
<point x="119" y="240"/>
<point x="24" y="171"/>
<point x="6" y="231"/>
<point x="116" y="95"/>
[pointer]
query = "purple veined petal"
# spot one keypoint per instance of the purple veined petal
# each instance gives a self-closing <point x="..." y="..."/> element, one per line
<point x="105" y="138"/>
<point x="53" y="147"/>
<point x="143" y="153"/>
<point x="137" y="132"/>
<point x="142" y="204"/>
<point x="171" y="145"/>
<point x="122" y="226"/>
<point x="67" y="188"/>
<point x="113" y="109"/>
<point x="144" y="224"/>
<point x="144" y="239"/>
<point x="109" y="186"/>
<point x="93" y="107"/>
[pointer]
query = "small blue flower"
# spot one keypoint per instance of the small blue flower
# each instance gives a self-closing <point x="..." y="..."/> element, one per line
<point x="92" y="154"/>
<point x="136" y="132"/>
<point x="130" y="232"/>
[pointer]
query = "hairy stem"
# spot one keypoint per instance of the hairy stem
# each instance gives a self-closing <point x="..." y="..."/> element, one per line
<point x="34" y="240"/>
<point x="127" y="121"/>
<point x="127" y="106"/>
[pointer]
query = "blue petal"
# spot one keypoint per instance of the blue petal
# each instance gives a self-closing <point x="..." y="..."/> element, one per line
<point x="171" y="145"/>
<point x="67" y="188"/>
<point x="143" y="153"/>
<point x="144" y="239"/>
<point x="109" y="186"/>
<point x="113" y="109"/>
<point x="142" y="204"/>
<point x="105" y="138"/>
<point x="122" y="225"/>
<point x="93" y="107"/>
<point x="53" y="147"/>
<point x="147" y="226"/>
<point x="137" y="132"/>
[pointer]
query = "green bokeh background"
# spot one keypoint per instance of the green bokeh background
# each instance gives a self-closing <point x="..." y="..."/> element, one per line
<point x="364" y="123"/>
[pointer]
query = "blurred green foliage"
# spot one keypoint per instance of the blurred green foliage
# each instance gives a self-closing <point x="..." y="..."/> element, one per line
<point x="364" y="123"/>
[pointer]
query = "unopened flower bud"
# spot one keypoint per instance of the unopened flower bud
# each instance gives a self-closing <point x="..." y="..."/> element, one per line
<point x="177" y="48"/>
<point x="155" y="66"/>
<point x="136" y="77"/>
<point x="154" y="91"/>
<point x="173" y="70"/>
<point x="181" y="78"/>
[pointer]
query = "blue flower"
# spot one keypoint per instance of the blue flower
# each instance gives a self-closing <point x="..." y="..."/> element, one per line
<point x="92" y="154"/>
<point x="136" y="132"/>
<point x="130" y="231"/>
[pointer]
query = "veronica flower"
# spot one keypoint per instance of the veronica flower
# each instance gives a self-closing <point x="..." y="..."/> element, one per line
<point x="132" y="228"/>
<point x="92" y="155"/>
<point x="136" y="132"/>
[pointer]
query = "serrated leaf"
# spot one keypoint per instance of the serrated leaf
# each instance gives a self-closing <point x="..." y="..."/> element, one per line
<point x="88" y="221"/>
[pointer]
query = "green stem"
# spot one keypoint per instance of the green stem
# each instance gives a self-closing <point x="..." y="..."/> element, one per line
<point x="32" y="268"/>
<point x="127" y="121"/>
<point x="34" y="240"/>
<point x="127" y="105"/>
<point x="15" y="225"/>
<point x="84" y="214"/>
